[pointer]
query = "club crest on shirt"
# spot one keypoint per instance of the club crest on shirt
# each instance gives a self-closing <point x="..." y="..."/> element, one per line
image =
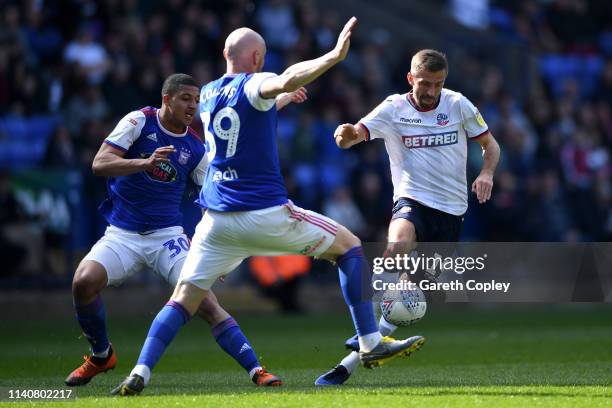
<point x="184" y="156"/>
<point x="442" y="119"/>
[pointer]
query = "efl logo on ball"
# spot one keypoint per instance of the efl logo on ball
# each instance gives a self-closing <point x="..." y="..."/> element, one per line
<point x="403" y="307"/>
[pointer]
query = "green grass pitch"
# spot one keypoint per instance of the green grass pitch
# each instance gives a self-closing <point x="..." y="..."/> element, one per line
<point x="523" y="356"/>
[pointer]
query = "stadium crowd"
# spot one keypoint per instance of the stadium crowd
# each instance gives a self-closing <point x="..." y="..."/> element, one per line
<point x="70" y="69"/>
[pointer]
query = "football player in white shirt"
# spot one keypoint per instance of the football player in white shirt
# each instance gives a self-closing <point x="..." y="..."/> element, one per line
<point x="425" y="132"/>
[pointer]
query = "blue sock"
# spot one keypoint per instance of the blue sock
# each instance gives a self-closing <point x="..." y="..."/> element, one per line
<point x="92" y="318"/>
<point x="232" y="340"/>
<point x="163" y="329"/>
<point x="355" y="281"/>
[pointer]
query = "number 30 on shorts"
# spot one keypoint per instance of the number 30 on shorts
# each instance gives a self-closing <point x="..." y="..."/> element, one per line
<point x="177" y="245"/>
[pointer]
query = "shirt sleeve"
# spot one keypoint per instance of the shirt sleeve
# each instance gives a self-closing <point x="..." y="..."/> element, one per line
<point x="472" y="120"/>
<point x="199" y="173"/>
<point x="251" y="89"/>
<point x="127" y="131"/>
<point x="378" y="123"/>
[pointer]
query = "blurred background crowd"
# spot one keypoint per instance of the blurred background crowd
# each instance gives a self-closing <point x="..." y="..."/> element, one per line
<point x="540" y="72"/>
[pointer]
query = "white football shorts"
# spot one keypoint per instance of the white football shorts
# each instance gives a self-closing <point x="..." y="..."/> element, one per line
<point x="123" y="253"/>
<point x="222" y="240"/>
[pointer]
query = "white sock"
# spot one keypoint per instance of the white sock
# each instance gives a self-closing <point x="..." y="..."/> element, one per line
<point x="369" y="341"/>
<point x="386" y="328"/>
<point x="143" y="371"/>
<point x="101" y="354"/>
<point x="253" y="371"/>
<point x="351" y="362"/>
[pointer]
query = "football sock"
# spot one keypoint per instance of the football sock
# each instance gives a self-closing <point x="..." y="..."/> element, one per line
<point x="163" y="329"/>
<point x="101" y="356"/>
<point x="351" y="362"/>
<point x="231" y="339"/>
<point x="253" y="371"/>
<point x="355" y="279"/>
<point x="355" y="282"/>
<point x="143" y="371"/>
<point x="386" y="328"/>
<point x="368" y="342"/>
<point x="92" y="318"/>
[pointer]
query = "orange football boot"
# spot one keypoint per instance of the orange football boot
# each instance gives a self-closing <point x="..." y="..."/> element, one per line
<point x="89" y="369"/>
<point x="262" y="378"/>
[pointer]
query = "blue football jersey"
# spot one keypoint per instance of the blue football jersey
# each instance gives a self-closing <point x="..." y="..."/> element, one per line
<point x="240" y="130"/>
<point x="151" y="199"/>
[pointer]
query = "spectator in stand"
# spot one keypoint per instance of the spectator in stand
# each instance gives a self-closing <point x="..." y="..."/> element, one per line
<point x="89" y="56"/>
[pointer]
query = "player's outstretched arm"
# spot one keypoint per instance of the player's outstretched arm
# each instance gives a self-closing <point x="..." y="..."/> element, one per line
<point x="483" y="185"/>
<point x="303" y="73"/>
<point x="348" y="135"/>
<point x="110" y="161"/>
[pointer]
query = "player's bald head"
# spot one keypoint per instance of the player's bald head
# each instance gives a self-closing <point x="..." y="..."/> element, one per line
<point x="243" y="41"/>
<point x="428" y="60"/>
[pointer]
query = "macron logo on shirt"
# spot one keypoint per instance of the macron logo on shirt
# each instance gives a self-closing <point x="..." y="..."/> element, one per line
<point x="410" y="120"/>
<point x="433" y="140"/>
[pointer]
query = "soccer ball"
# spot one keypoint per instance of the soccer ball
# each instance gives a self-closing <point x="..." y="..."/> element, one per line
<point x="403" y="307"/>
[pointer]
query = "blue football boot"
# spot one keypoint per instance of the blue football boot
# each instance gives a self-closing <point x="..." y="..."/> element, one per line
<point x="336" y="376"/>
<point x="352" y="343"/>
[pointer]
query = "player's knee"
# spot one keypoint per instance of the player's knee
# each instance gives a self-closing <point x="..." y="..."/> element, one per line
<point x="345" y="240"/>
<point x="189" y="296"/>
<point x="352" y="241"/>
<point x="89" y="279"/>
<point x="211" y="311"/>
<point x="402" y="233"/>
<point x="399" y="248"/>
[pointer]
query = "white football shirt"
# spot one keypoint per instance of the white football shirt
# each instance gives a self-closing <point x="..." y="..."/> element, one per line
<point x="427" y="149"/>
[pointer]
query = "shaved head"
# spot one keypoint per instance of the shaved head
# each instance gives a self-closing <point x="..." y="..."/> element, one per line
<point x="245" y="50"/>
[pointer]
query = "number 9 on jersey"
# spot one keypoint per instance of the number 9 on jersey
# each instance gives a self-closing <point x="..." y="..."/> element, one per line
<point x="229" y="133"/>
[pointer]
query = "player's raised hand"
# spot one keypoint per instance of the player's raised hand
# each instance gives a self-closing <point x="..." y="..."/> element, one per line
<point x="344" y="39"/>
<point x="347" y="132"/>
<point x="482" y="186"/>
<point x="160" y="155"/>
<point x="299" y="96"/>
<point x="284" y="99"/>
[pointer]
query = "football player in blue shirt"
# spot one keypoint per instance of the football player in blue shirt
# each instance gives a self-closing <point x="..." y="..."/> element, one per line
<point x="149" y="159"/>
<point x="248" y="209"/>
